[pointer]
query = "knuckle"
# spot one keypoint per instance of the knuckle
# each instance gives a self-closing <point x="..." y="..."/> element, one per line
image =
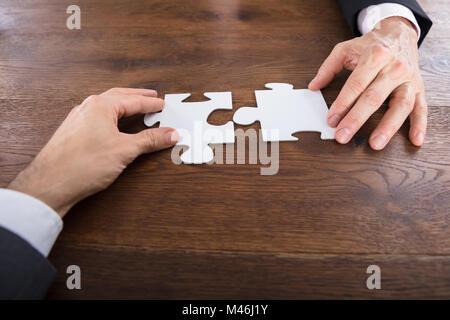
<point x="389" y="130"/>
<point x="338" y="106"/>
<point x="339" y="47"/>
<point x="112" y="90"/>
<point x="132" y="100"/>
<point x="353" y="121"/>
<point x="386" y="129"/>
<point x="351" y="62"/>
<point x="405" y="104"/>
<point x="92" y="99"/>
<point x="421" y="110"/>
<point x="380" y="53"/>
<point x="150" y="140"/>
<point x="124" y="101"/>
<point x="400" y="70"/>
<point x="74" y="109"/>
<point x="372" y="98"/>
<point x="356" y="86"/>
<point x="400" y="67"/>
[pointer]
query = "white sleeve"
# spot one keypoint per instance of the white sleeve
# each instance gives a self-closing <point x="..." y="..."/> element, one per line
<point x="370" y="16"/>
<point x="29" y="218"/>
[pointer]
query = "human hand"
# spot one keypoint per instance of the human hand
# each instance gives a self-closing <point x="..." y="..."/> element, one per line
<point x="88" y="152"/>
<point x="385" y="64"/>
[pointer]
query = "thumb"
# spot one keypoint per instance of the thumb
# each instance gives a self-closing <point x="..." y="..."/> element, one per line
<point x="151" y="140"/>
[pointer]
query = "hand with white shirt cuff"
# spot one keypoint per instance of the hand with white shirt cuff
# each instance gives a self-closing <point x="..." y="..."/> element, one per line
<point x="84" y="156"/>
<point x="384" y="63"/>
<point x="88" y="152"/>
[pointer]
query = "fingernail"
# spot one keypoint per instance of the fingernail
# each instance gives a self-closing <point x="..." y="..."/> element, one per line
<point x="343" y="135"/>
<point x="333" y="120"/>
<point x="379" y="141"/>
<point x="420" y="137"/>
<point x="172" y="137"/>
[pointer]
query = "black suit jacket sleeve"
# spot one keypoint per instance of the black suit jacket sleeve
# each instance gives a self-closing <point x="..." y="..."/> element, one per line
<point x="351" y="9"/>
<point x="24" y="272"/>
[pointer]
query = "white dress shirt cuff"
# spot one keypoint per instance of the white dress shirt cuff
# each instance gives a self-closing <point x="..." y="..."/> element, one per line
<point x="30" y="219"/>
<point x="370" y="16"/>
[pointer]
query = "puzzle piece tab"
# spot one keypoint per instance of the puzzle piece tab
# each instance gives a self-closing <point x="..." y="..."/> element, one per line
<point x="286" y="110"/>
<point x="190" y="120"/>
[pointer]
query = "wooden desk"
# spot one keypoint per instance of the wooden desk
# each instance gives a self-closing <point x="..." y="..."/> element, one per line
<point x="224" y="231"/>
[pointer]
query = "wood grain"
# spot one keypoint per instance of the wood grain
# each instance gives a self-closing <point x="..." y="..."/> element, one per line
<point x="435" y="54"/>
<point x="225" y="231"/>
<point x="184" y="274"/>
<point x="325" y="198"/>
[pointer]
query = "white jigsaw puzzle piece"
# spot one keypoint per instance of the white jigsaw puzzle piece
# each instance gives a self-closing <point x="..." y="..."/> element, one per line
<point x="286" y="110"/>
<point x="190" y="120"/>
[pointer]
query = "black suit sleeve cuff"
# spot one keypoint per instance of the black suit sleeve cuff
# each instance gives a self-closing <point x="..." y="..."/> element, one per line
<point x="24" y="272"/>
<point x="351" y="9"/>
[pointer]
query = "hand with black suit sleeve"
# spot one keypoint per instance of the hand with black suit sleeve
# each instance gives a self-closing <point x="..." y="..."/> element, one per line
<point x="385" y="64"/>
<point x="85" y="155"/>
<point x="88" y="152"/>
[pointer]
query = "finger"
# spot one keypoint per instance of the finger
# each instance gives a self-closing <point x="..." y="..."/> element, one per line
<point x="362" y="76"/>
<point x="142" y="92"/>
<point x="400" y="106"/>
<point x="332" y="65"/>
<point x="128" y="105"/>
<point x="369" y="101"/>
<point x="418" y="120"/>
<point x="151" y="140"/>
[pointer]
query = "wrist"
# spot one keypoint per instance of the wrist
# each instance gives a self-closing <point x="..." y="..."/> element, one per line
<point x="26" y="183"/>
<point x="398" y="23"/>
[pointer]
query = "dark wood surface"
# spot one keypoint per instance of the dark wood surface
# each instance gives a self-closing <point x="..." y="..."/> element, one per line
<point x="224" y="231"/>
